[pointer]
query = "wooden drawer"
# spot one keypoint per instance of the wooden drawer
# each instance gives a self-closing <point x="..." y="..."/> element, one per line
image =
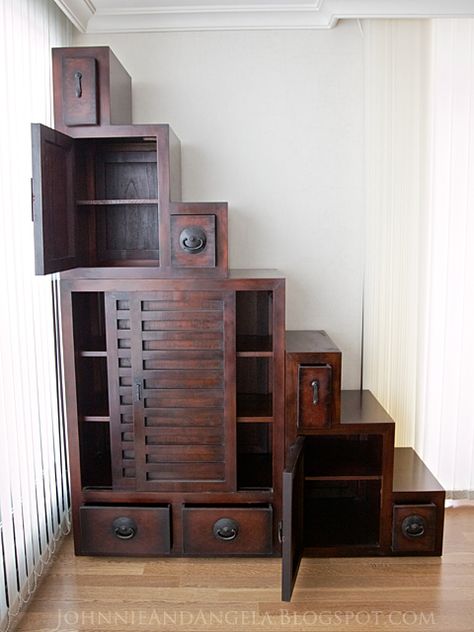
<point x="414" y="528"/>
<point x="193" y="241"/>
<point x="314" y="396"/>
<point x="227" y="530"/>
<point x="79" y="91"/>
<point x="91" y="88"/>
<point x="125" y="530"/>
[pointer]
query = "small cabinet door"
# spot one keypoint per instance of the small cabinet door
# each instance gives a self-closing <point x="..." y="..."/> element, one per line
<point x="293" y="517"/>
<point x="54" y="210"/>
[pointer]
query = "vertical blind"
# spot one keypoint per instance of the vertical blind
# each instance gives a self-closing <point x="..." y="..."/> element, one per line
<point x="419" y="282"/>
<point x="395" y="158"/>
<point x="445" y="413"/>
<point x="33" y="461"/>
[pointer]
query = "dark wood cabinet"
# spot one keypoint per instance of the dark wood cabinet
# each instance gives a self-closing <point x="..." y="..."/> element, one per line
<point x="153" y="394"/>
<point x="196" y="425"/>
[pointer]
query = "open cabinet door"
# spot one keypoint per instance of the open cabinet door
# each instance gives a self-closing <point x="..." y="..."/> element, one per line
<point x="54" y="209"/>
<point x="293" y="516"/>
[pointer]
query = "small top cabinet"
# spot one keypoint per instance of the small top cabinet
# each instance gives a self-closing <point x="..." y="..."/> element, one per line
<point x="92" y="88"/>
<point x="112" y="200"/>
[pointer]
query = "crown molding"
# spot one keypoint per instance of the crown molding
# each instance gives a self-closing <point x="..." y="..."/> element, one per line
<point x="128" y="16"/>
<point x="79" y="12"/>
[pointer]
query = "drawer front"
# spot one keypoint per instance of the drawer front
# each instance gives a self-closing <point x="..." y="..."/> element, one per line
<point x="79" y="91"/>
<point x="193" y="241"/>
<point x="125" y="530"/>
<point x="227" y="530"/>
<point x="414" y="528"/>
<point x="314" y="396"/>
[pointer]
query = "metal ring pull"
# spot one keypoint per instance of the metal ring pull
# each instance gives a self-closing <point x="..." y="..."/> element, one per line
<point x="413" y="526"/>
<point x="226" y="529"/>
<point x="193" y="239"/>
<point x="188" y="244"/>
<point x="124" y="528"/>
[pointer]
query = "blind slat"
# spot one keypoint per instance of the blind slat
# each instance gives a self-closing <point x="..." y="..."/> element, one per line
<point x="34" y="486"/>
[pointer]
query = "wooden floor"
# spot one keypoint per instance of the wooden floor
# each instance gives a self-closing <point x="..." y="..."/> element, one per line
<point x="131" y="595"/>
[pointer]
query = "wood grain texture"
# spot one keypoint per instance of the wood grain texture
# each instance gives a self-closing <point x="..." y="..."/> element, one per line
<point x="430" y="594"/>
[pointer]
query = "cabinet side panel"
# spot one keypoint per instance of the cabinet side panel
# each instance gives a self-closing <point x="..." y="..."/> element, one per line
<point x="120" y="93"/>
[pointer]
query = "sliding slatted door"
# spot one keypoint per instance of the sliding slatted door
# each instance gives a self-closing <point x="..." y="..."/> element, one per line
<point x="172" y="389"/>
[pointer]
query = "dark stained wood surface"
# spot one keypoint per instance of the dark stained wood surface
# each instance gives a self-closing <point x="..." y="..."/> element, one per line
<point x="361" y="407"/>
<point x="411" y="474"/>
<point x="309" y="342"/>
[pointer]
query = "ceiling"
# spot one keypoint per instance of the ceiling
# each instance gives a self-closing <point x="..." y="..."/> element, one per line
<point x="122" y="16"/>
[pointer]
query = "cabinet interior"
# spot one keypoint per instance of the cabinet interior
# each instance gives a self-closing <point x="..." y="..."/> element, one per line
<point x="342" y="513"/>
<point x="92" y="388"/>
<point x="94" y="448"/>
<point x="254" y="388"/>
<point x="343" y="485"/>
<point x="254" y="321"/>
<point x="254" y="455"/>
<point x="117" y="201"/>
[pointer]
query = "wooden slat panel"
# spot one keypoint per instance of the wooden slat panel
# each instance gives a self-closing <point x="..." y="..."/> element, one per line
<point x="184" y="453"/>
<point x="183" y="417"/>
<point x="195" y="398"/>
<point x="181" y="300"/>
<point x="182" y="360"/>
<point x="180" y="324"/>
<point x="120" y="388"/>
<point x="181" y="340"/>
<point x="183" y="379"/>
<point x="185" y="472"/>
<point x="192" y="436"/>
<point x="194" y="315"/>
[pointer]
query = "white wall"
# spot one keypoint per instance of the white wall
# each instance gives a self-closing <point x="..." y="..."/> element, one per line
<point x="273" y="123"/>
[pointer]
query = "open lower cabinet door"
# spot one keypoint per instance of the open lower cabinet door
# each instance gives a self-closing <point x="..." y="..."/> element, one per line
<point x="54" y="210"/>
<point x="293" y="516"/>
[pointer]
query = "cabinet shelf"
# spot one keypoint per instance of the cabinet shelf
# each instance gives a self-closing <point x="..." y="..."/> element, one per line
<point x="254" y="346"/>
<point x="354" y="476"/>
<point x="90" y="353"/>
<point x="117" y="202"/>
<point x="254" y="407"/>
<point x="96" y="418"/>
